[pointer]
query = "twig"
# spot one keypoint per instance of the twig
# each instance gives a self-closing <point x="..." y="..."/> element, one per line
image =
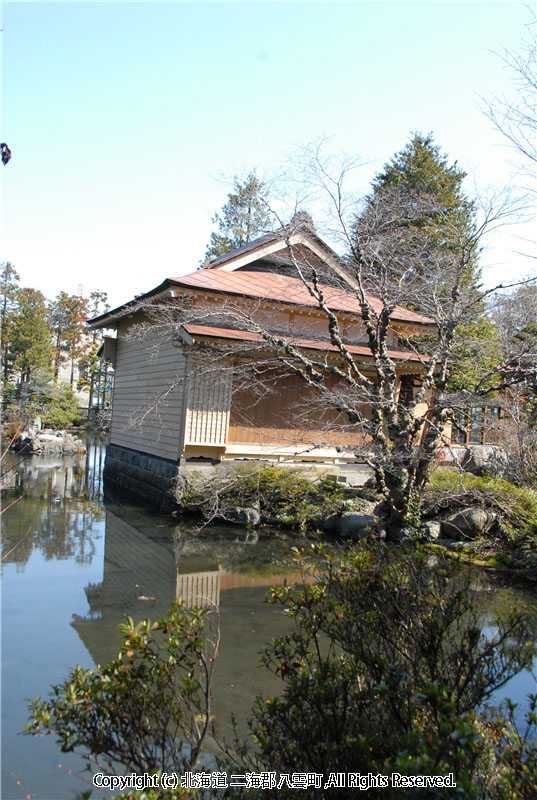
<point x="5" y="555"/>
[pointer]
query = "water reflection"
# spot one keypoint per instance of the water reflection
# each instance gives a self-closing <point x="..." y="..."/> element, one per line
<point x="52" y="545"/>
<point x="56" y="504"/>
<point x="74" y="567"/>
<point x="150" y="560"/>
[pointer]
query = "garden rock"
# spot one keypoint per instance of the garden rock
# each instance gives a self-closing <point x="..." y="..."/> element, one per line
<point x="358" y="505"/>
<point x="48" y="441"/>
<point x="432" y="529"/>
<point x="244" y="515"/>
<point x="398" y="534"/>
<point x="468" y="523"/>
<point x="331" y="523"/>
<point x="489" y="459"/>
<point x="356" y="526"/>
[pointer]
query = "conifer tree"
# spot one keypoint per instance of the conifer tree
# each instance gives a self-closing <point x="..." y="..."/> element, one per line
<point x="420" y="198"/>
<point x="243" y="217"/>
<point x="9" y="284"/>
<point x="67" y="315"/>
<point x="30" y="339"/>
<point x="93" y="368"/>
<point x="428" y="225"/>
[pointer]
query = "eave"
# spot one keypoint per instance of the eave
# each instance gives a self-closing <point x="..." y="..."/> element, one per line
<point x="199" y="333"/>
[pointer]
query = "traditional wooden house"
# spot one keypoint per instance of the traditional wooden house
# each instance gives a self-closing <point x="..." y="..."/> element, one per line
<point x="167" y="409"/>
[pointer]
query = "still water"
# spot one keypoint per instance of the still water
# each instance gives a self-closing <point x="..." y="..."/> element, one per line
<point x="73" y="567"/>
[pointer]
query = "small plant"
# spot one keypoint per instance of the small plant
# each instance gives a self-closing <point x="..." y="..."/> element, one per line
<point x="148" y="709"/>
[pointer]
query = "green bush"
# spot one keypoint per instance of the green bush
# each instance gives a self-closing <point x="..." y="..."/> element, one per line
<point x="149" y="708"/>
<point x="59" y="407"/>
<point x="515" y="505"/>
<point x="56" y="405"/>
<point x="388" y="671"/>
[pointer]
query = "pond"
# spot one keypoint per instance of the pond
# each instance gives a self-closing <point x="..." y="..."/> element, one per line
<point x="75" y="566"/>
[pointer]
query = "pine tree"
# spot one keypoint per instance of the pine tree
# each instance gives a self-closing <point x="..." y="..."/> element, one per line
<point x="30" y="344"/>
<point x="428" y="227"/>
<point x="9" y="284"/>
<point x="243" y="217"/>
<point x="93" y="368"/>
<point x="420" y="197"/>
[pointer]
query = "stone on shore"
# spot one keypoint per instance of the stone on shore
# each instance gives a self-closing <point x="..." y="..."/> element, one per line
<point x="487" y="459"/>
<point x="350" y="525"/>
<point x="468" y="523"/>
<point x="47" y="441"/>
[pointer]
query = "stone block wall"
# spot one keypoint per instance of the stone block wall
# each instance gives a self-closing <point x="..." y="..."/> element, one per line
<point x="148" y="478"/>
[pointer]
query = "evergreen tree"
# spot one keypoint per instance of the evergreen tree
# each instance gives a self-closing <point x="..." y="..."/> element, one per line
<point x="420" y="199"/>
<point x="30" y="345"/>
<point x="428" y="227"/>
<point x="93" y="368"/>
<point x="9" y="283"/>
<point x="243" y="217"/>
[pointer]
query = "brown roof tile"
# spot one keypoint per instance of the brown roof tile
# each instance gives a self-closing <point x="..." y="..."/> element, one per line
<point x="282" y="288"/>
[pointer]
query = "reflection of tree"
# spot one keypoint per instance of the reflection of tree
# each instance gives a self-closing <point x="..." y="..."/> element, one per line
<point x="497" y="594"/>
<point x="239" y="551"/>
<point x="58" y="510"/>
<point x="93" y="465"/>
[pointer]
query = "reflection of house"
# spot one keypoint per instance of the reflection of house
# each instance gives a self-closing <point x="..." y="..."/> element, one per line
<point x="199" y="588"/>
<point x="147" y="561"/>
<point x="205" y="415"/>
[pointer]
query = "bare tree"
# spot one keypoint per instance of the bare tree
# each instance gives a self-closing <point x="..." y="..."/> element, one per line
<point x="516" y="119"/>
<point x="388" y="398"/>
<point x="515" y="315"/>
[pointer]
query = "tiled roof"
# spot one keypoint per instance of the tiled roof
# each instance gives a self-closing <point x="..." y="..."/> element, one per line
<point x="282" y="288"/>
<point x="311" y="344"/>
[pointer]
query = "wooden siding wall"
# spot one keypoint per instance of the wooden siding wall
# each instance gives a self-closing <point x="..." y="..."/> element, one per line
<point x="146" y="415"/>
<point x="280" y="419"/>
<point x="207" y="415"/>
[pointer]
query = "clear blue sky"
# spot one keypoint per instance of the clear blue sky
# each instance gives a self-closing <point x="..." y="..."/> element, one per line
<point x="123" y="117"/>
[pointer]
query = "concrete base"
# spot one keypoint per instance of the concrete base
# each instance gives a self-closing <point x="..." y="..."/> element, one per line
<point x="152" y="480"/>
<point x="148" y="478"/>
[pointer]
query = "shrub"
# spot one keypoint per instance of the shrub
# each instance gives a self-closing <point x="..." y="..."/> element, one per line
<point x="59" y="407"/>
<point x="388" y="671"/>
<point x="282" y="493"/>
<point x="148" y="709"/>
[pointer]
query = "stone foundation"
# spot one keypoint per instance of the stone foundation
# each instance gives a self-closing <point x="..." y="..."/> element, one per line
<point x="149" y="479"/>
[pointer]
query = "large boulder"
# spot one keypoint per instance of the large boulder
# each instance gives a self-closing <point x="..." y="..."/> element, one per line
<point x="331" y="523"/>
<point x="468" y="523"/>
<point x="489" y="459"/>
<point x="350" y="525"/>
<point x="454" y="454"/>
